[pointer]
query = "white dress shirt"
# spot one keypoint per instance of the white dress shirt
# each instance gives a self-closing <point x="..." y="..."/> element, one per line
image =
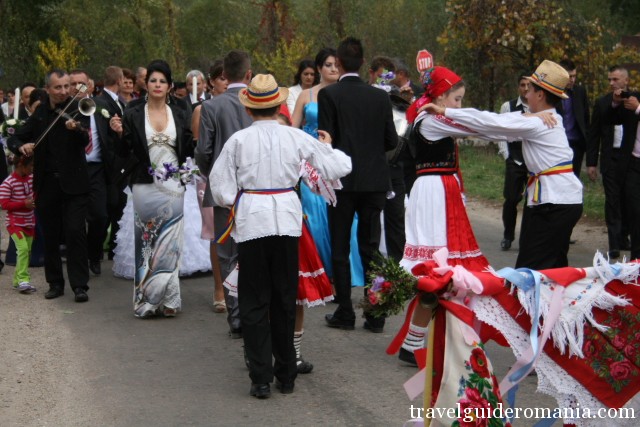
<point x="267" y="155"/>
<point x="542" y="147"/>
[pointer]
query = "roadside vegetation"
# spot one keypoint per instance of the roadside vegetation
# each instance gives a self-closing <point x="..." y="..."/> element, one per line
<point x="483" y="175"/>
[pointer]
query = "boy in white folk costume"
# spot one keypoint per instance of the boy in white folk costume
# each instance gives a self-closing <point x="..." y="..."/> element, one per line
<point x="255" y="174"/>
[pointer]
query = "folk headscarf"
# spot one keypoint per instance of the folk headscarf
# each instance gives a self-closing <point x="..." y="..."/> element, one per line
<point x="436" y="81"/>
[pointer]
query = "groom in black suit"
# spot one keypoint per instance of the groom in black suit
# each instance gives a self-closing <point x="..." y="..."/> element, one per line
<point x="359" y="119"/>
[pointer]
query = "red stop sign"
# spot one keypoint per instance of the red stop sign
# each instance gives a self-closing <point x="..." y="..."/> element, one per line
<point x="424" y="60"/>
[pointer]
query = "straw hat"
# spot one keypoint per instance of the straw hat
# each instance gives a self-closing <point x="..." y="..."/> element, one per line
<point x="263" y="92"/>
<point x="551" y="77"/>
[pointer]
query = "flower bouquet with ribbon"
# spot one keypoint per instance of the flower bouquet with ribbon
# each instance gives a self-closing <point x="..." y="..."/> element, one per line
<point x="184" y="173"/>
<point x="390" y="287"/>
<point x="10" y="126"/>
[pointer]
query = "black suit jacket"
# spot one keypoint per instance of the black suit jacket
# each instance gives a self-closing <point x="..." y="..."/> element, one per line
<point x="580" y="105"/>
<point x="600" y="135"/>
<point x="22" y="113"/>
<point x="360" y="121"/>
<point x="134" y="140"/>
<point x="629" y="121"/>
<point x="110" y="104"/>
<point x="61" y="151"/>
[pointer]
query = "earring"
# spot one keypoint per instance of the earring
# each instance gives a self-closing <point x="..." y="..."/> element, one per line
<point x="146" y="97"/>
<point x="167" y="99"/>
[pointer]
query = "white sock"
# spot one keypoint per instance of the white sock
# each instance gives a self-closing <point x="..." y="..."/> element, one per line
<point x="297" y="342"/>
<point x="415" y="338"/>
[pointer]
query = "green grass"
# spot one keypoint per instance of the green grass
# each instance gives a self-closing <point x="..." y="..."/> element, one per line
<point x="483" y="174"/>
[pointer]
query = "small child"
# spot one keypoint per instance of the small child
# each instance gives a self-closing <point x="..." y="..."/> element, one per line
<point x="16" y="197"/>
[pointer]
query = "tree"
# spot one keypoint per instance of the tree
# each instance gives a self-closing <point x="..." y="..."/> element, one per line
<point x="65" y="54"/>
<point x="490" y="42"/>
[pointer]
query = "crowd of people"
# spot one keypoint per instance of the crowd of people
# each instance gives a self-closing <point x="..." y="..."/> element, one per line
<point x="205" y="174"/>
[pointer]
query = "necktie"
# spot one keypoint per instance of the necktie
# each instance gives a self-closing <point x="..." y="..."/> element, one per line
<point x="89" y="148"/>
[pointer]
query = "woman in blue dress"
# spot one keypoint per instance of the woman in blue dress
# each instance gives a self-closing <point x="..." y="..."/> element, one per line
<point x="305" y="116"/>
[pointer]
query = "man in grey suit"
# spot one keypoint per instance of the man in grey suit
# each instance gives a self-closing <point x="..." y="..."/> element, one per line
<point x="221" y="117"/>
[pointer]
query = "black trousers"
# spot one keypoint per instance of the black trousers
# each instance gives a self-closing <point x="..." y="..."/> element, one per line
<point x="97" y="213"/>
<point x="267" y="290"/>
<point x="368" y="206"/>
<point x="615" y="213"/>
<point x="545" y="234"/>
<point x="394" y="215"/>
<point x="60" y="213"/>
<point x="515" y="181"/>
<point x="632" y="199"/>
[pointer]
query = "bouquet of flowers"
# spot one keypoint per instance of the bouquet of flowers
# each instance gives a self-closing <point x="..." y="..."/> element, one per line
<point x="384" y="80"/>
<point x="10" y="126"/>
<point x="184" y="173"/>
<point x="390" y="288"/>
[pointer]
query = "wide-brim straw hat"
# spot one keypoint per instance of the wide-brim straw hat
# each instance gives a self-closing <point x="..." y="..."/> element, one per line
<point x="551" y="77"/>
<point x="263" y="92"/>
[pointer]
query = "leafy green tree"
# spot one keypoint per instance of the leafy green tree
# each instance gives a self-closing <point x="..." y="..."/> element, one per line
<point x="65" y="54"/>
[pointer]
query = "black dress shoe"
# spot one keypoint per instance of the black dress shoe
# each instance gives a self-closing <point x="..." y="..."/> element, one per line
<point x="505" y="245"/>
<point x="285" y="388"/>
<point x="407" y="357"/>
<point x="54" y="293"/>
<point x="261" y="391"/>
<point x="614" y="254"/>
<point x="235" y="333"/>
<point x="303" y="366"/>
<point x="94" y="266"/>
<point x="81" y="295"/>
<point x="335" y="322"/>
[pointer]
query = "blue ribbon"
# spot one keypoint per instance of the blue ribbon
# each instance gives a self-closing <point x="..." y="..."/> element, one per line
<point x="528" y="280"/>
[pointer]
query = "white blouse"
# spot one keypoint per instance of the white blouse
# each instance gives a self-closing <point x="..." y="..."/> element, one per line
<point x="267" y="155"/>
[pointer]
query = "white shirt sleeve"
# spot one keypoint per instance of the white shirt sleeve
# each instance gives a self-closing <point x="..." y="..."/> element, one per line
<point x="223" y="177"/>
<point x="509" y="126"/>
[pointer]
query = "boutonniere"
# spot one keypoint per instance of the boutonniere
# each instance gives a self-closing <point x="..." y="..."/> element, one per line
<point x="105" y="113"/>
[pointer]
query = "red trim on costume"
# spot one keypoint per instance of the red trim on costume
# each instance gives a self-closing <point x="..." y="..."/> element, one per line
<point x="450" y="122"/>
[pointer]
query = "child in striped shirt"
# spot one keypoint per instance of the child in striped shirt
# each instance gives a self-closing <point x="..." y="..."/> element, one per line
<point x="16" y="197"/>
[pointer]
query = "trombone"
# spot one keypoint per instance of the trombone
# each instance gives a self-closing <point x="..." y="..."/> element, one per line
<point x="86" y="107"/>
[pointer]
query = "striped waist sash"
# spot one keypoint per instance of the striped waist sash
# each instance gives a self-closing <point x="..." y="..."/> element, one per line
<point x="534" y="178"/>
<point x="232" y="214"/>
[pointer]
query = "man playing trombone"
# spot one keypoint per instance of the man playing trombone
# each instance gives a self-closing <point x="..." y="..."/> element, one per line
<point x="57" y="140"/>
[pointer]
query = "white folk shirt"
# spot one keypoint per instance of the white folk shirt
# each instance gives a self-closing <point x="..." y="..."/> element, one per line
<point x="542" y="147"/>
<point x="267" y="155"/>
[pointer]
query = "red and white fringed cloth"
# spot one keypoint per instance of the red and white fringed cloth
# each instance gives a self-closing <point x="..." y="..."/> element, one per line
<point x="587" y="328"/>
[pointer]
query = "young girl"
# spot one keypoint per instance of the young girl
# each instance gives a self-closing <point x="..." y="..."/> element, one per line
<point x="16" y="197"/>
